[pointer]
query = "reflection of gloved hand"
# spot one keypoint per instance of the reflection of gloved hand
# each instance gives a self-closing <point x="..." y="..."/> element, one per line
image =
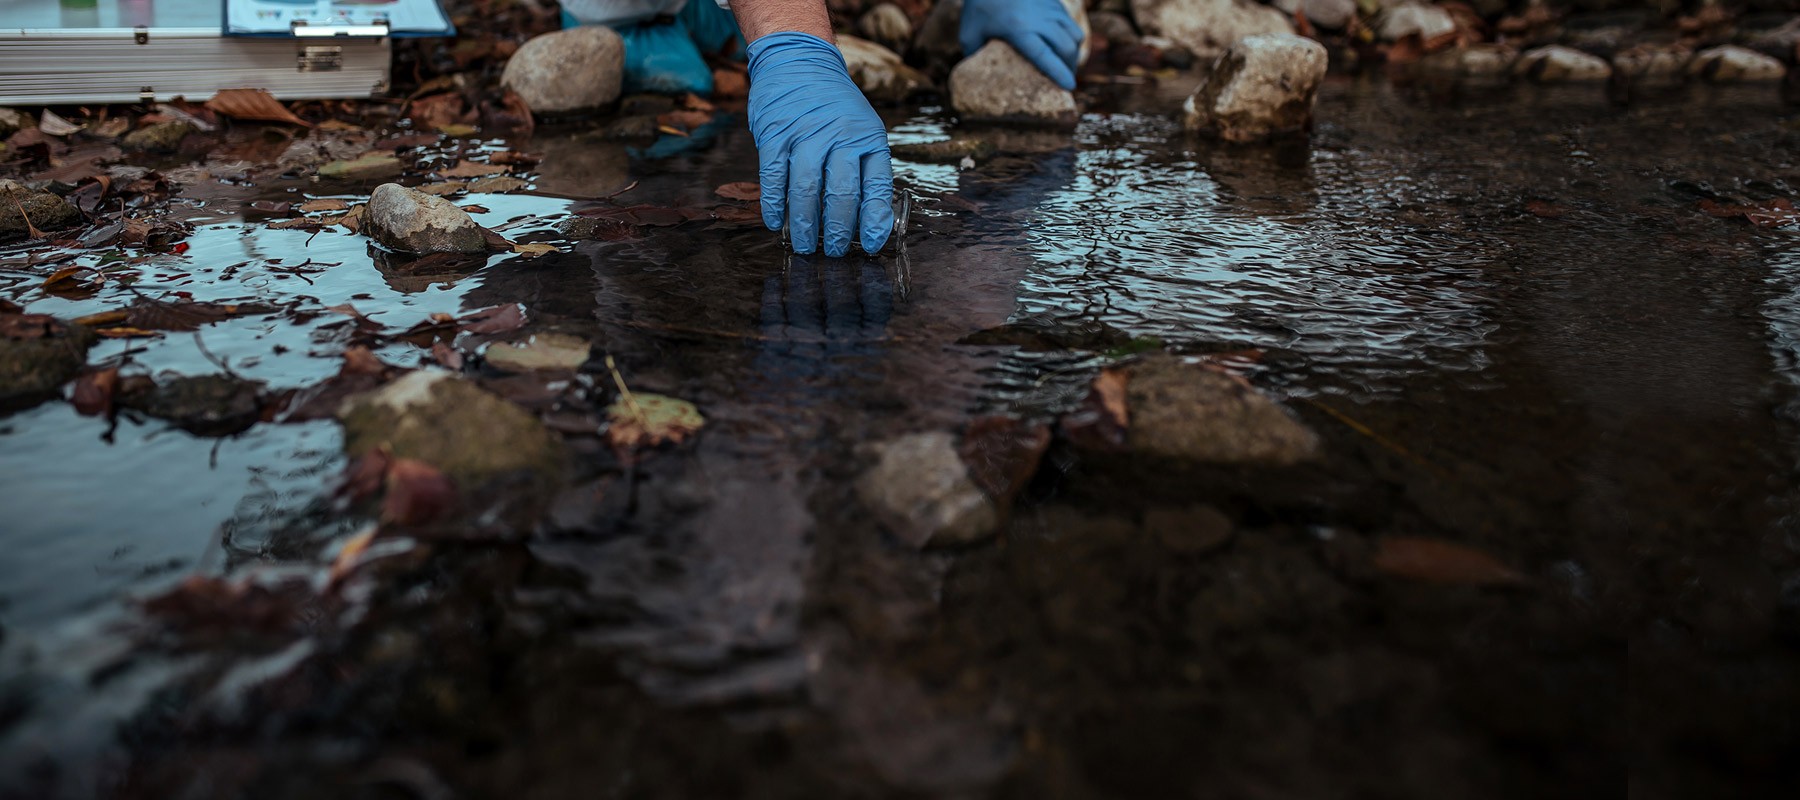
<point x="818" y="141"/>
<point x="1041" y="30"/>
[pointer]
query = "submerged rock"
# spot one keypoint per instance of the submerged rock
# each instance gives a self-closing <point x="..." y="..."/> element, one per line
<point x="999" y="85"/>
<point x="1475" y="63"/>
<point x="34" y="366"/>
<point x="1194" y="414"/>
<point x="569" y="70"/>
<point x="1733" y="64"/>
<point x="540" y="351"/>
<point x="414" y="222"/>
<point x="1262" y="87"/>
<point x="886" y="25"/>
<point x="1653" y="63"/>
<point x="204" y="405"/>
<point x="470" y="434"/>
<point x="922" y="491"/>
<point x="163" y="137"/>
<point x="879" y="72"/>
<point x="948" y="151"/>
<point x="1207" y="27"/>
<point x="46" y="211"/>
<point x="1558" y="64"/>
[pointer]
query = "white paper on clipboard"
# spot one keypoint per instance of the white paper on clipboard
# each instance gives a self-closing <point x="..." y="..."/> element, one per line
<point x="340" y="17"/>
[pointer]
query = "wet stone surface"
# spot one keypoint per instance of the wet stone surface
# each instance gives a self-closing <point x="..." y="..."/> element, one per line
<point x="1544" y="543"/>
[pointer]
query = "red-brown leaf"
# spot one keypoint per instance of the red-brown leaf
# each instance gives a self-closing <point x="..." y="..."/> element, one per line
<point x="1438" y="561"/>
<point x="93" y="395"/>
<point x="417" y="493"/>
<point x="253" y="104"/>
<point x="495" y="319"/>
<point x="740" y="190"/>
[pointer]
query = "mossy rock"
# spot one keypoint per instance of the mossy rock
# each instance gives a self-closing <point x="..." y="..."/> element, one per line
<point x="474" y="436"/>
<point x="35" y="368"/>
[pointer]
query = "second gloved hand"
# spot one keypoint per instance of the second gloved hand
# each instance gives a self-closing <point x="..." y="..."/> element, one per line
<point x="823" y="150"/>
<point x="1041" y="30"/>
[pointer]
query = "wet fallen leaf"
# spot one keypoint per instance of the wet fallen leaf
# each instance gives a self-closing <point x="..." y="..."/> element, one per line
<point x="112" y="128"/>
<point x="470" y="169"/>
<point x="534" y="250"/>
<point x="208" y="606"/>
<point x="444" y="189"/>
<point x="1545" y="209"/>
<point x="640" y="420"/>
<point x="353" y="219"/>
<point x="93" y="394"/>
<point x="104" y="318"/>
<point x="126" y="333"/>
<point x="1003" y="454"/>
<point x="1438" y="561"/>
<point x="494" y="319"/>
<point x="253" y="104"/>
<point x="417" y="493"/>
<point x="437" y="111"/>
<point x="351" y="553"/>
<point x="446" y="356"/>
<point x="364" y="477"/>
<point x="272" y="207"/>
<point x="368" y="167"/>
<point x="498" y="184"/>
<point x="323" y="204"/>
<point x="542" y="351"/>
<point x="458" y="130"/>
<point x="740" y="190"/>
<point x="1767" y="214"/>
<point x="1104" y="418"/>
<point x="685" y="119"/>
<point x="64" y="277"/>
<point x="54" y="125"/>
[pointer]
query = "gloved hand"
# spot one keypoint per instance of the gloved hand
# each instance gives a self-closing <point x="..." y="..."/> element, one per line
<point x="1041" y="30"/>
<point x="819" y="142"/>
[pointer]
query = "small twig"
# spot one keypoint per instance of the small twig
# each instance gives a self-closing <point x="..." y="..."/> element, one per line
<point x="217" y="361"/>
<point x="625" y="392"/>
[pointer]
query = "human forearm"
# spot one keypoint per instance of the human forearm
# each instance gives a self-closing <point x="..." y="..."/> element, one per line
<point x="759" y="18"/>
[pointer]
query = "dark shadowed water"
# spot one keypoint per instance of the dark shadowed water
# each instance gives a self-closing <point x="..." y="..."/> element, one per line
<point x="1506" y="316"/>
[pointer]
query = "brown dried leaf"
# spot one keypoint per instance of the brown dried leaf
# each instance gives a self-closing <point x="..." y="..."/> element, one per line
<point x="93" y="395"/>
<point x="470" y="169"/>
<point x="1003" y="454"/>
<point x="1438" y="561"/>
<point x="646" y="420"/>
<point x="740" y="190"/>
<point x="253" y="104"/>
<point x="494" y="319"/>
<point x="417" y="493"/>
<point x="323" y="204"/>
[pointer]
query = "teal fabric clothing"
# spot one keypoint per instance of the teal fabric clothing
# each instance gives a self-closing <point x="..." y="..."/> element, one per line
<point x="665" y="55"/>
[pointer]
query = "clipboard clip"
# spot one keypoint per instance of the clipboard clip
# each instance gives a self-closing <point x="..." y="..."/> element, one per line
<point x="300" y="29"/>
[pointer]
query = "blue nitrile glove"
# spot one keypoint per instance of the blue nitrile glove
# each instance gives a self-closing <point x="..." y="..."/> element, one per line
<point x="819" y="143"/>
<point x="1041" y="30"/>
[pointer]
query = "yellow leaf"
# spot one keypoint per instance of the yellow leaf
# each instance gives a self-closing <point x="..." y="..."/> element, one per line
<point x="534" y="250"/>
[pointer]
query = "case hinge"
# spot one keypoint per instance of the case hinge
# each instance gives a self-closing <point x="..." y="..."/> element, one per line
<point x="141" y="34"/>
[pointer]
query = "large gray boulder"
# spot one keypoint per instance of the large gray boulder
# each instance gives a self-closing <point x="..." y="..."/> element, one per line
<point x="1262" y="87"/>
<point x="999" y="85"/>
<point x="1207" y="27"/>
<point x="568" y="70"/>
<point x="923" y="493"/>
<point x="414" y="222"/>
<point x="1198" y="415"/>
